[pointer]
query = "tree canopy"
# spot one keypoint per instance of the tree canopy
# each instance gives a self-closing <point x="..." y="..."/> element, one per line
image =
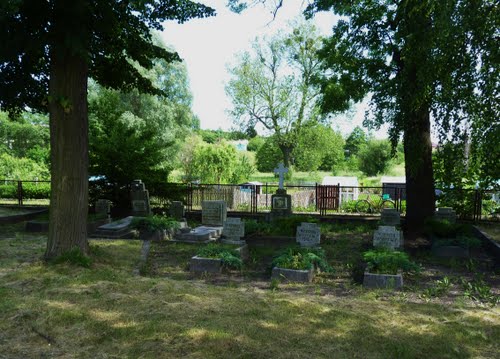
<point x="416" y="59"/>
<point x="48" y="51"/>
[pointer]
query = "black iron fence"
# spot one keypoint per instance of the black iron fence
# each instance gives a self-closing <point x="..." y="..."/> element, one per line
<point x="470" y="204"/>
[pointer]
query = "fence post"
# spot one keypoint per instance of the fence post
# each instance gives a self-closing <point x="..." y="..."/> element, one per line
<point x="316" y="195"/>
<point x="477" y="205"/>
<point x="20" y="193"/>
<point x="267" y="192"/>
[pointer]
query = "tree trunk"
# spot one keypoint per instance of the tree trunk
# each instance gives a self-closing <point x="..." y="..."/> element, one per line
<point x="68" y="139"/>
<point x="420" y="197"/>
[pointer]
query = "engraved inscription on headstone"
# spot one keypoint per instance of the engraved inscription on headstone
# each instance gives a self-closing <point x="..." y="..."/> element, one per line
<point x="308" y="235"/>
<point x="213" y="213"/>
<point x="388" y="237"/>
<point x="390" y="217"/>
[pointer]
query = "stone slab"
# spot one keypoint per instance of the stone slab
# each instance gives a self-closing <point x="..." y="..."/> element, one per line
<point x="450" y="252"/>
<point x="293" y="275"/>
<point x="374" y="280"/>
<point x="205" y="265"/>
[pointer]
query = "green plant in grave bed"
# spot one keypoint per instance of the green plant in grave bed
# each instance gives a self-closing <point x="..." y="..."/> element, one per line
<point x="480" y="291"/>
<point x="299" y="258"/>
<point x="382" y="261"/>
<point x="153" y="223"/>
<point x="288" y="225"/>
<point x="230" y="257"/>
<point x="467" y="242"/>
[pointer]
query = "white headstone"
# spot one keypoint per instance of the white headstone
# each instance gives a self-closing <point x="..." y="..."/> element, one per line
<point x="280" y="171"/>
<point x="390" y="217"/>
<point x="213" y="213"/>
<point x="388" y="237"/>
<point x="234" y="229"/>
<point x="308" y="235"/>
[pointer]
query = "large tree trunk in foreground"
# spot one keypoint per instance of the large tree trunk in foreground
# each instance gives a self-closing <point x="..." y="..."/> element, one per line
<point x="68" y="138"/>
<point x="420" y="197"/>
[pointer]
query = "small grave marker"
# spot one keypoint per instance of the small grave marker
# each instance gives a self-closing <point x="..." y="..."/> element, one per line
<point x="103" y="207"/>
<point x="234" y="230"/>
<point x="308" y="235"/>
<point x="390" y="217"/>
<point x="388" y="237"/>
<point x="213" y="213"/>
<point x="140" y="199"/>
<point x="177" y="210"/>
<point x="446" y="213"/>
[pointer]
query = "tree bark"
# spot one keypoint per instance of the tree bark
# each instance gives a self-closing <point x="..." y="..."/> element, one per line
<point x="420" y="196"/>
<point x="68" y="136"/>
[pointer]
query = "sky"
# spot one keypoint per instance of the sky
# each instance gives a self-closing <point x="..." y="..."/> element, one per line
<point x="208" y="46"/>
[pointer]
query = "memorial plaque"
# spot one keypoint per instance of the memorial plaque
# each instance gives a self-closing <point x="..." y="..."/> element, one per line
<point x="388" y="237"/>
<point x="308" y="235"/>
<point x="280" y="202"/>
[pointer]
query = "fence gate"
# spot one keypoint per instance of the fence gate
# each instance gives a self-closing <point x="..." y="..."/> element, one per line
<point x="327" y="198"/>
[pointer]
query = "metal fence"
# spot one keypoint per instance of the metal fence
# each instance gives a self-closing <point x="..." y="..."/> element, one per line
<point x="470" y="204"/>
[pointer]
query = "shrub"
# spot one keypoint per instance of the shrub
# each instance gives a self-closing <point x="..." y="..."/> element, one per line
<point x="153" y="223"/>
<point x="384" y="261"/>
<point x="445" y="229"/>
<point x="230" y="257"/>
<point x="302" y="259"/>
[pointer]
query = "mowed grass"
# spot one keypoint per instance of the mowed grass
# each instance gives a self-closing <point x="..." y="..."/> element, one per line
<point x="63" y="311"/>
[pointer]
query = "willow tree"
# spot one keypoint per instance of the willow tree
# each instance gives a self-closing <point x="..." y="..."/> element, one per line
<point x="417" y="60"/>
<point x="273" y="86"/>
<point x="48" y="51"/>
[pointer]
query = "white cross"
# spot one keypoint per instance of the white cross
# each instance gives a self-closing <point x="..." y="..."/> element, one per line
<point x="281" y="170"/>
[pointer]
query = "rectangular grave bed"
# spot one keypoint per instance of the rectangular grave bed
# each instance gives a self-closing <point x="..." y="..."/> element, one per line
<point x="293" y="275"/>
<point x="205" y="265"/>
<point x="450" y="252"/>
<point x="374" y="280"/>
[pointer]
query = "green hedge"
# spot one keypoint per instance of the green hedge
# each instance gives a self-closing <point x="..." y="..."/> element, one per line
<point x="30" y="190"/>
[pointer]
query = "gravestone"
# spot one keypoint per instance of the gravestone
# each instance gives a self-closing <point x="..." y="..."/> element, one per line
<point x="213" y="213"/>
<point x="388" y="237"/>
<point x="281" y="202"/>
<point x="390" y="217"/>
<point x="446" y="213"/>
<point x="103" y="207"/>
<point x="233" y="231"/>
<point x="177" y="210"/>
<point x="308" y="235"/>
<point x="140" y="199"/>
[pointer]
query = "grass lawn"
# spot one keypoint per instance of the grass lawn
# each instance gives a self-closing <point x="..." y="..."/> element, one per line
<point x="64" y="311"/>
